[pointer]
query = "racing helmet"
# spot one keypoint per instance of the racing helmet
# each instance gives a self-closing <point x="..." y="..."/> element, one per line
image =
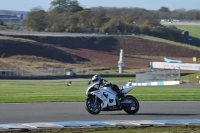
<point x="96" y="78"/>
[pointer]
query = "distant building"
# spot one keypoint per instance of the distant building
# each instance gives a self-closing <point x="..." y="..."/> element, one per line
<point x="10" y="19"/>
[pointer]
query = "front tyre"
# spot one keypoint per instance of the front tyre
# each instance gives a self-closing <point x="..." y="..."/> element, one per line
<point x="133" y="107"/>
<point x="92" y="107"/>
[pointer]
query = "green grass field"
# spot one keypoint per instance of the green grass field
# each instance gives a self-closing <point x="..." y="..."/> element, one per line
<point x="58" y="91"/>
<point x="194" y="30"/>
<point x="194" y="78"/>
<point x="169" y="42"/>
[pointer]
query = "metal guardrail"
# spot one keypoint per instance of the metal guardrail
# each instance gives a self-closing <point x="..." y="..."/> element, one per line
<point x="44" y="72"/>
<point x="161" y="75"/>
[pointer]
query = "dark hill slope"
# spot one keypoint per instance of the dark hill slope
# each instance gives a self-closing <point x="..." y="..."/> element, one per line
<point x="130" y="44"/>
<point x="139" y="46"/>
<point x="10" y="46"/>
<point x="94" y="52"/>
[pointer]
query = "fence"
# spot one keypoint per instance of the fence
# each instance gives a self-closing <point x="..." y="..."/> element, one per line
<point x="160" y="75"/>
<point x="44" y="72"/>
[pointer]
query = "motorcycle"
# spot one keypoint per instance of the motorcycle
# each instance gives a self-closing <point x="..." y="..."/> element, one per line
<point x="106" y="99"/>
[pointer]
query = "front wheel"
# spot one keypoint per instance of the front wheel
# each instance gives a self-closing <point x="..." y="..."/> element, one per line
<point x="92" y="107"/>
<point x="132" y="107"/>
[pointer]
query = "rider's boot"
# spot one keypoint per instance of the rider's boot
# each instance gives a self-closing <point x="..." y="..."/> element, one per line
<point x="120" y="95"/>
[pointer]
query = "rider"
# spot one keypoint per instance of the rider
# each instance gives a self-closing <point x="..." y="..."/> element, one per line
<point x="103" y="82"/>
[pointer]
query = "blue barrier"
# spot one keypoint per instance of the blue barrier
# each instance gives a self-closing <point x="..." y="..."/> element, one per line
<point x="160" y="83"/>
<point x="3" y="128"/>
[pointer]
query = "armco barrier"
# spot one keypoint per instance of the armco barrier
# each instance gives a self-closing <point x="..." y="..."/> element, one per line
<point x="61" y="77"/>
<point x="54" y="125"/>
<point x="161" y="83"/>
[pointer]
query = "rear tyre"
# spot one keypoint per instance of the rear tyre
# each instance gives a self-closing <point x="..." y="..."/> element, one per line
<point x="133" y="107"/>
<point x="92" y="107"/>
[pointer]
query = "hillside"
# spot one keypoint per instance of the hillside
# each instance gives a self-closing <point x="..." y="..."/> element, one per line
<point x="92" y="52"/>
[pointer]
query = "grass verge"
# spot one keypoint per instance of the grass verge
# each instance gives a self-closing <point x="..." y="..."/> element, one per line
<point x="58" y="91"/>
<point x="169" y="42"/>
<point x="122" y="129"/>
<point x="194" y="30"/>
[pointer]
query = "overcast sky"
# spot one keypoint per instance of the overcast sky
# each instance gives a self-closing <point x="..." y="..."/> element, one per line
<point x="26" y="5"/>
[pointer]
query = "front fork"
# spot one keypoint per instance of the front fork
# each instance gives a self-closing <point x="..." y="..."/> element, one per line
<point x="95" y="100"/>
<point x="94" y="104"/>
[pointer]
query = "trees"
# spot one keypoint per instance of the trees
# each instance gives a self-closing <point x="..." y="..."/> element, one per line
<point x="163" y="12"/>
<point x="60" y="6"/>
<point x="64" y="11"/>
<point x="145" y="30"/>
<point x="177" y="14"/>
<point x="98" y="18"/>
<point x="36" y="20"/>
<point x="69" y="16"/>
<point x="112" y="26"/>
<point x="193" y="15"/>
<point x="128" y="18"/>
<point x="164" y="9"/>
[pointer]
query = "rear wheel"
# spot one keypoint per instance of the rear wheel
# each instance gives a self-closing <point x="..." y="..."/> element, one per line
<point x="132" y="107"/>
<point x="92" y="107"/>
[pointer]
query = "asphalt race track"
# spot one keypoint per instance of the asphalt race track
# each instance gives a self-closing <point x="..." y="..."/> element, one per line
<point x="75" y="111"/>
